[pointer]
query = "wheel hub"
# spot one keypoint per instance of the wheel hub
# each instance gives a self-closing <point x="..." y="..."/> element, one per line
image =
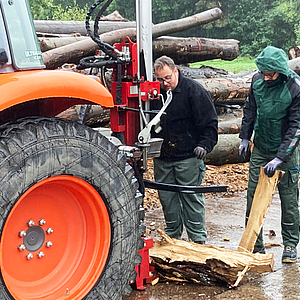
<point x="34" y="239"/>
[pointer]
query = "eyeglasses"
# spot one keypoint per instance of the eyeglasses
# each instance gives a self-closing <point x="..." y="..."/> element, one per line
<point x="168" y="78"/>
<point x="268" y="74"/>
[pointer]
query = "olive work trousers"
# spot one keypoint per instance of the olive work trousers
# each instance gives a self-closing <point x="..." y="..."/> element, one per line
<point x="181" y="208"/>
<point x="288" y="193"/>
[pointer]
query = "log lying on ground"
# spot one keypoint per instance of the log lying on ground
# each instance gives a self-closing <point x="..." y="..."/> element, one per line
<point x="227" y="90"/>
<point x="226" y="151"/>
<point x="205" y="264"/>
<point x="72" y="53"/>
<point x="260" y="205"/>
<point x="185" y="50"/>
<point x="294" y="52"/>
<point x="294" y="64"/>
<point x="188" y="50"/>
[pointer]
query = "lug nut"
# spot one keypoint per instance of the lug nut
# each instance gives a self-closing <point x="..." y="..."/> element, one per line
<point x="22" y="233"/>
<point x="30" y="223"/>
<point x="29" y="256"/>
<point x="21" y="247"/>
<point x="40" y="254"/>
<point x="49" y="244"/>
<point x="49" y="230"/>
<point x="42" y="222"/>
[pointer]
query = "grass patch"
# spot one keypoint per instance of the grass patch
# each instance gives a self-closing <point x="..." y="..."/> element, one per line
<point x="237" y="65"/>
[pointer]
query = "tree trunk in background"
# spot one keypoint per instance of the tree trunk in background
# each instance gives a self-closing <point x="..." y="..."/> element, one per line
<point x="294" y="52"/>
<point x="294" y="64"/>
<point x="227" y="90"/>
<point x="70" y="27"/>
<point x="192" y="49"/>
<point x="72" y="53"/>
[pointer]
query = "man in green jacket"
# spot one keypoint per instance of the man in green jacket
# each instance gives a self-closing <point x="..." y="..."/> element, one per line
<point x="272" y="111"/>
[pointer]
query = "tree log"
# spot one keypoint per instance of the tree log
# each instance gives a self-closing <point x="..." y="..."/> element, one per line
<point x="227" y="90"/>
<point x="226" y="151"/>
<point x="188" y="50"/>
<point x="205" y="264"/>
<point x="294" y="52"/>
<point x="72" y="53"/>
<point x="294" y="64"/>
<point x="260" y="205"/>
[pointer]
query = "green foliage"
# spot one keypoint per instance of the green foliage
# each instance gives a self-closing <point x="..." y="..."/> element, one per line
<point x="255" y="23"/>
<point x="237" y="65"/>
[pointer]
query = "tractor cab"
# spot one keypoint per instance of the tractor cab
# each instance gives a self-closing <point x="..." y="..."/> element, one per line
<point x="19" y="48"/>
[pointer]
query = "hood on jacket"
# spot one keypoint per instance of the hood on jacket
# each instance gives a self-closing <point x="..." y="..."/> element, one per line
<point x="273" y="59"/>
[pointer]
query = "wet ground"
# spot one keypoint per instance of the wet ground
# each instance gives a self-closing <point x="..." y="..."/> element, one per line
<point x="225" y="226"/>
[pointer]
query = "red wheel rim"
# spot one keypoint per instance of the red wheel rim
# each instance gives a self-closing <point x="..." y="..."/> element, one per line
<point x="81" y="237"/>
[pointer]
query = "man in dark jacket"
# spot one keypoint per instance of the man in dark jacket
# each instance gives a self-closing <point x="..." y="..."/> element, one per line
<point x="272" y="111"/>
<point x="190" y="131"/>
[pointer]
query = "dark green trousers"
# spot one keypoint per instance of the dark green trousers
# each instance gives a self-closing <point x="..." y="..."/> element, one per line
<point x="179" y="208"/>
<point x="288" y="192"/>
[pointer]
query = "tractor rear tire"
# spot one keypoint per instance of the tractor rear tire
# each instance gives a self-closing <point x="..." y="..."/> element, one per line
<point x="70" y="223"/>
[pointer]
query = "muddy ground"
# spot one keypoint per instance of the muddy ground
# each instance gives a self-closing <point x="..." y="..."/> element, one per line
<point x="225" y="226"/>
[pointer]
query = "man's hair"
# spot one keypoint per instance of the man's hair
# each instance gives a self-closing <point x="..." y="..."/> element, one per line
<point x="164" y="61"/>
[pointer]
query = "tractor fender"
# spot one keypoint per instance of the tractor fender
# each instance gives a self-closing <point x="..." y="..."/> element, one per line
<point x="20" y="87"/>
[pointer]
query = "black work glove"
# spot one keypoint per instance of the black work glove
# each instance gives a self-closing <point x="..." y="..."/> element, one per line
<point x="243" y="149"/>
<point x="200" y="152"/>
<point x="271" y="166"/>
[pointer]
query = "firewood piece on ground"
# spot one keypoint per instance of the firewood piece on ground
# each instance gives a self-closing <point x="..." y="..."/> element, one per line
<point x="261" y="201"/>
<point x="205" y="264"/>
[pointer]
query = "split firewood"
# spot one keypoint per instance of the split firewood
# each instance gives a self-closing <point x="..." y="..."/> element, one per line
<point x="204" y="264"/>
<point x="73" y="52"/>
<point x="192" y="49"/>
<point x="260" y="205"/>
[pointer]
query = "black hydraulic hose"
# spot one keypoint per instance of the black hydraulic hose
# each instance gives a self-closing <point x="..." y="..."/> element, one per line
<point x="106" y="48"/>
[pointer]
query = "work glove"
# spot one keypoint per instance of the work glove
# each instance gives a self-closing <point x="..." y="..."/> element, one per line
<point x="271" y="166"/>
<point x="200" y="152"/>
<point x="243" y="149"/>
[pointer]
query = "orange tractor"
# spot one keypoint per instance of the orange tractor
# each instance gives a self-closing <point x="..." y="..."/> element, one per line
<point x="71" y="213"/>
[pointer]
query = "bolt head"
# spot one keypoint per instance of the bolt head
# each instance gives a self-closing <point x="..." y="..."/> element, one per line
<point x="42" y="222"/>
<point x="40" y="254"/>
<point x="22" y="233"/>
<point x="29" y="256"/>
<point x="49" y="244"/>
<point x="49" y="230"/>
<point x="30" y="223"/>
<point x="21" y="247"/>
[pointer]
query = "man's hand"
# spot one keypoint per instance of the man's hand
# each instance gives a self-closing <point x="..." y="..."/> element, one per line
<point x="200" y="152"/>
<point x="243" y="149"/>
<point x="271" y="166"/>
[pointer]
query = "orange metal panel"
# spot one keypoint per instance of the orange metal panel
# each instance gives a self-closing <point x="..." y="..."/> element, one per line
<point x="19" y="87"/>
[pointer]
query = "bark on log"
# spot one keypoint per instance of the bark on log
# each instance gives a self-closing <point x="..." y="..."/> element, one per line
<point x="96" y="117"/>
<point x="205" y="264"/>
<point x="227" y="90"/>
<point x="294" y="52"/>
<point x="188" y="50"/>
<point x="260" y="205"/>
<point x="72" y="53"/>
<point x="294" y="64"/>
<point x="230" y="126"/>
<point x="69" y="27"/>
<point x="226" y="151"/>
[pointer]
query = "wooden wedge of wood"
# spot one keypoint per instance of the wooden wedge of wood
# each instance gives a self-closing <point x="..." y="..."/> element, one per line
<point x="184" y="261"/>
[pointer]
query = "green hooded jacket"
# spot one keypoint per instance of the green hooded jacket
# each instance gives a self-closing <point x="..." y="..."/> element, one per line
<point x="272" y="109"/>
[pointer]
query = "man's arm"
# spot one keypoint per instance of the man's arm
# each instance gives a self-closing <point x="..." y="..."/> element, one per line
<point x="292" y="135"/>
